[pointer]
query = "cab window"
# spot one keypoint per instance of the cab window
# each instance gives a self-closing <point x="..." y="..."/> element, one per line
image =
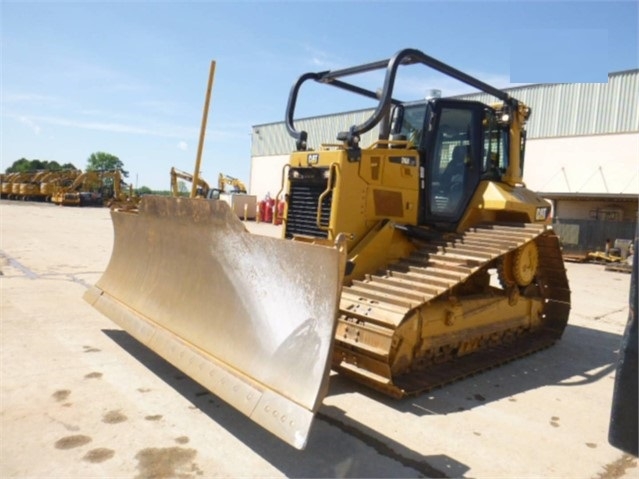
<point x="451" y="162"/>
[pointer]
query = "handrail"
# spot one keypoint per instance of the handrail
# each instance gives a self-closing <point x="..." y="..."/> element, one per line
<point x="407" y="56"/>
<point x="277" y="196"/>
<point x="320" y="200"/>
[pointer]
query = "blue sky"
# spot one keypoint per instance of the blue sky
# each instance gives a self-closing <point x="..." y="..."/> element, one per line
<point x="129" y="78"/>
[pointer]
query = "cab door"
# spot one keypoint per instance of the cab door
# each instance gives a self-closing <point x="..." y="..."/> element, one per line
<point x="452" y="150"/>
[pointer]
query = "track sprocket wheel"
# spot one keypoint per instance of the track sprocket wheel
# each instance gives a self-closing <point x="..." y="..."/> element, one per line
<point x="505" y="271"/>
<point x="519" y="267"/>
<point x="526" y="262"/>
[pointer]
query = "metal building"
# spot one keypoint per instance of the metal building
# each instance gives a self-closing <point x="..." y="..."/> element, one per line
<point x="582" y="153"/>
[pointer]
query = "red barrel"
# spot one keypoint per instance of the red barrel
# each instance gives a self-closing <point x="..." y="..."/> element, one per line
<point x="266" y="210"/>
<point x="280" y="212"/>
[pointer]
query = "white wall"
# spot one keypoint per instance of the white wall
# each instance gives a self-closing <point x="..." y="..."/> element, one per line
<point x="595" y="210"/>
<point x="586" y="164"/>
<point x="266" y="175"/>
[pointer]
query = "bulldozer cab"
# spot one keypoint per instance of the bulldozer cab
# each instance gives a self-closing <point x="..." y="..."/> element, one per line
<point x="460" y="143"/>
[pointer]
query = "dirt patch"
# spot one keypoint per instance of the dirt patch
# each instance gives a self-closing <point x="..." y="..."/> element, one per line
<point x="182" y="440"/>
<point x="618" y="468"/>
<point x="98" y="455"/>
<point x="94" y="375"/>
<point x="114" y="417"/>
<point x="61" y="394"/>
<point x="69" y="442"/>
<point x="166" y="462"/>
<point x="155" y="417"/>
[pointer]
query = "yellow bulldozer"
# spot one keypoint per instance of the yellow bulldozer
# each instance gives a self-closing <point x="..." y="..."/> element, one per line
<point x="405" y="264"/>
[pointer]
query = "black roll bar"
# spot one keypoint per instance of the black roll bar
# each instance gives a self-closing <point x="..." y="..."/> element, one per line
<point x="407" y="56"/>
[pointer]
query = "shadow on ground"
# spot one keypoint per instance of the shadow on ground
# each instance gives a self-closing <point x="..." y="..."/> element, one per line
<point x="582" y="356"/>
<point x="358" y="452"/>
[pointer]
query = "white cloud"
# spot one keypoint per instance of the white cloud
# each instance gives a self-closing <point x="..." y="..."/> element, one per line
<point x="83" y="72"/>
<point x="31" y="124"/>
<point x="167" y="131"/>
<point x="228" y="131"/>
<point x="321" y="59"/>
<point x="161" y="107"/>
<point x="30" y="99"/>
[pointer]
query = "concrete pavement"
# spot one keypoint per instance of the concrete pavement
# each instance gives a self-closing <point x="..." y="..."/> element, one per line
<point x="80" y="398"/>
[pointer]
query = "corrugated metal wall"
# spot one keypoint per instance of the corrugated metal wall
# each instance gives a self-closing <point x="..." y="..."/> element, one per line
<point x="579" y="237"/>
<point x="273" y="139"/>
<point x="577" y="109"/>
<point x="558" y="110"/>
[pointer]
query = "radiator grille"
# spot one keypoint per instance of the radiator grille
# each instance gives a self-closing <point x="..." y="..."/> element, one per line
<point x="302" y="205"/>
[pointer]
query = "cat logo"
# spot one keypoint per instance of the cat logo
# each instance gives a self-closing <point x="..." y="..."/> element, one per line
<point x="312" y="159"/>
<point x="541" y="214"/>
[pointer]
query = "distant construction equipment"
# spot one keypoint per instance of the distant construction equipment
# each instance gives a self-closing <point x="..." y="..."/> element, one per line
<point x="67" y="187"/>
<point x="229" y="189"/>
<point x="202" y="188"/>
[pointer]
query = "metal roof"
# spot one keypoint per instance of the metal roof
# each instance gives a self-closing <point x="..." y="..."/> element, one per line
<point x="626" y="198"/>
<point x="273" y="139"/>
<point x="577" y="109"/>
<point x="558" y="110"/>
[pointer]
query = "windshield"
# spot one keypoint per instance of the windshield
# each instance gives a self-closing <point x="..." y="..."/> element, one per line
<point x="495" y="148"/>
<point x="412" y="123"/>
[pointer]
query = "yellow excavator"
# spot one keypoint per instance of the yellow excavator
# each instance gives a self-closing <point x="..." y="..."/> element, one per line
<point x="202" y="187"/>
<point x="405" y="264"/>
<point x="58" y="181"/>
<point x="234" y="192"/>
<point x="237" y="186"/>
<point x="30" y="190"/>
<point x="91" y="188"/>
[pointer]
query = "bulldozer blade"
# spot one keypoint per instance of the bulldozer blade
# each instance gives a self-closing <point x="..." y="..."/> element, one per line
<point x="251" y="318"/>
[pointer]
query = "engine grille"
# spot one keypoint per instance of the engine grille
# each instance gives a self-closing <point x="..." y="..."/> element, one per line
<point x="305" y="189"/>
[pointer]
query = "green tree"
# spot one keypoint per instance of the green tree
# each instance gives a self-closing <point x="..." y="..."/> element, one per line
<point x="23" y="166"/>
<point x="52" y="166"/>
<point x="105" y="161"/>
<point x="19" y="166"/>
<point x="144" y="190"/>
<point x="37" y="165"/>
